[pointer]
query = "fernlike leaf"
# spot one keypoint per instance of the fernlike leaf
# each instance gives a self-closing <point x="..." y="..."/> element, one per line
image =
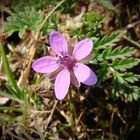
<point x="116" y="87"/>
<point x="124" y="90"/>
<point x="27" y="20"/>
<point x="136" y="93"/>
<point x="124" y="64"/>
<point x="118" y="52"/>
<point x="103" y="72"/>
<point x="131" y="77"/>
<point x="107" y="41"/>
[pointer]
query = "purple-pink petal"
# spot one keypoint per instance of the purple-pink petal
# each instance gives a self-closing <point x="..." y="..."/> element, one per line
<point x="82" y="49"/>
<point x="62" y="84"/>
<point x="84" y="74"/>
<point x="58" y="43"/>
<point x="74" y="80"/>
<point x="45" y="64"/>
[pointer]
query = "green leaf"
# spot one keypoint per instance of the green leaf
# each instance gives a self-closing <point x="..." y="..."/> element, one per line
<point x="22" y="21"/>
<point x="19" y="5"/>
<point x="116" y="87"/>
<point x="118" y="52"/>
<point x="8" y="71"/>
<point x="106" y="3"/>
<point x="92" y="20"/>
<point x="131" y="77"/>
<point x="10" y="96"/>
<point x="91" y="26"/>
<point x="136" y="93"/>
<point x="102" y="72"/>
<point x="10" y="108"/>
<point x="125" y="64"/>
<point x="124" y="90"/>
<point x="107" y="41"/>
<point x="123" y="87"/>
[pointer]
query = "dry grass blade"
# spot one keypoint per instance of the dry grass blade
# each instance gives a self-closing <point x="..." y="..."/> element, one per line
<point x="52" y="111"/>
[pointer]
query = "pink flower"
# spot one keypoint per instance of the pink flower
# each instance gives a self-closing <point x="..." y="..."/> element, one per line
<point x="65" y="65"/>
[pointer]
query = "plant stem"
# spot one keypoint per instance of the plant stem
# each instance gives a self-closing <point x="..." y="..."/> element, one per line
<point x="72" y="108"/>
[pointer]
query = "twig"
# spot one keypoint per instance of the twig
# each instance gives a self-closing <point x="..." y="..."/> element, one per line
<point x="111" y="124"/>
<point x="39" y="112"/>
<point x="52" y="111"/>
<point x="63" y="114"/>
<point x="13" y="135"/>
<point x="131" y="41"/>
<point x="132" y="24"/>
<point x="78" y="120"/>
<point x="43" y="23"/>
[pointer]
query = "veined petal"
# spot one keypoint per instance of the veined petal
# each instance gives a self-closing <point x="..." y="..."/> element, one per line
<point x="45" y="64"/>
<point x="74" y="80"/>
<point x="53" y="74"/>
<point x="86" y="59"/>
<point x="58" y="43"/>
<point x="84" y="74"/>
<point x="82" y="49"/>
<point x="62" y="84"/>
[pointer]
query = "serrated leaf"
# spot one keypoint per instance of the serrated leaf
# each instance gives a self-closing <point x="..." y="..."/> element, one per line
<point x="122" y="65"/>
<point x="131" y="77"/>
<point x="106" y="3"/>
<point x="118" y="52"/>
<point x="102" y="72"/>
<point x="29" y="19"/>
<point x="136" y="93"/>
<point x="116" y="87"/>
<point x="124" y="90"/>
<point x="107" y="41"/>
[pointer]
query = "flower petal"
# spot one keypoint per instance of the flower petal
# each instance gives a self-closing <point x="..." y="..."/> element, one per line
<point x="74" y="80"/>
<point x="53" y="74"/>
<point x="45" y="64"/>
<point x="84" y="74"/>
<point x="82" y="49"/>
<point x="62" y="84"/>
<point x="58" y="43"/>
<point x="86" y="59"/>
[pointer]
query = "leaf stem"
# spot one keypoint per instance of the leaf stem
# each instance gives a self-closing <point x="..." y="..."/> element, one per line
<point x="72" y="108"/>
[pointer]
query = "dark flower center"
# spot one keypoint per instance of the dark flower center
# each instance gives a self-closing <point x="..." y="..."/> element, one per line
<point x="67" y="61"/>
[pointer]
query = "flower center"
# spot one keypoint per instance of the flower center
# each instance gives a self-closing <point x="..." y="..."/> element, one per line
<point x="67" y="61"/>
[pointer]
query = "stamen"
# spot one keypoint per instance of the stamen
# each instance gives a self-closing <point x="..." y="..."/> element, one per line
<point x="67" y="61"/>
